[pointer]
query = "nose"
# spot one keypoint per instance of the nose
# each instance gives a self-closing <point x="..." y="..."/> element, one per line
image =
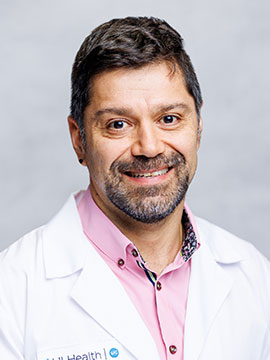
<point x="148" y="141"/>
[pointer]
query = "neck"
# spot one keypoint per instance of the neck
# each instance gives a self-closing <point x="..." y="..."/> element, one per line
<point x="157" y="243"/>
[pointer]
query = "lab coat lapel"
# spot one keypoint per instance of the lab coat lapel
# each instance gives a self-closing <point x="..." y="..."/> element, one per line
<point x="97" y="290"/>
<point x="101" y="295"/>
<point x="208" y="289"/>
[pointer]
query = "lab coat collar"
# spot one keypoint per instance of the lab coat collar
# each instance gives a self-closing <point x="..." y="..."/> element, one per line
<point x="224" y="247"/>
<point x="208" y="288"/>
<point x="64" y="244"/>
<point x="210" y="284"/>
<point x="99" y="292"/>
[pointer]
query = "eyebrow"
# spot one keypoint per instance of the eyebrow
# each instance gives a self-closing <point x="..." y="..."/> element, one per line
<point x="112" y="110"/>
<point x="128" y="112"/>
<point x="173" y="106"/>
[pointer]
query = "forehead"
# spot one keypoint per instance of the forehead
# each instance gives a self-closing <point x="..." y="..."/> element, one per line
<point x="151" y="84"/>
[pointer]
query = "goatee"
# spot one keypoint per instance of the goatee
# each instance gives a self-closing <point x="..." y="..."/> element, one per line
<point x="148" y="204"/>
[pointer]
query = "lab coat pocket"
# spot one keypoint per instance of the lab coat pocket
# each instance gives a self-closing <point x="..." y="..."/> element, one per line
<point x="97" y="351"/>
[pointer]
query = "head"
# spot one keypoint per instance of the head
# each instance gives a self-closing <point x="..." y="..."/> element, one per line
<point x="135" y="117"/>
<point x="130" y="43"/>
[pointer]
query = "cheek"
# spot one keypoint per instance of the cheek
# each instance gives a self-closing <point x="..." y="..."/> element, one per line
<point x="186" y="145"/>
<point x="101" y="155"/>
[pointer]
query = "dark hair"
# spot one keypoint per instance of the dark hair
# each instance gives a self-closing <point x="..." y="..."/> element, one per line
<point x="131" y="42"/>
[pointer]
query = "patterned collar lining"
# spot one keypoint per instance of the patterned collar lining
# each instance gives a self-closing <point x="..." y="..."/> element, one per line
<point x="188" y="247"/>
<point x="190" y="241"/>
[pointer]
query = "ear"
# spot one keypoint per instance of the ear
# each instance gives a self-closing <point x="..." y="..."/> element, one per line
<point x="76" y="139"/>
<point x="200" y="129"/>
<point x="199" y="136"/>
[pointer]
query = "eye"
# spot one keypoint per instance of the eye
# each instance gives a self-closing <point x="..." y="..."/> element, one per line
<point x="169" y="119"/>
<point x="117" y="125"/>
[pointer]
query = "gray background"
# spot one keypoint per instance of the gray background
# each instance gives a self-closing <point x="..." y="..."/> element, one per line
<point x="229" y="44"/>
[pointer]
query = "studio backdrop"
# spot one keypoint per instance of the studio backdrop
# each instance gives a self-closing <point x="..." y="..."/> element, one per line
<point x="228" y="42"/>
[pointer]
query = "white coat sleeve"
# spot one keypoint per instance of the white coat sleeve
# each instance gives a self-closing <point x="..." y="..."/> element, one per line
<point x="12" y="310"/>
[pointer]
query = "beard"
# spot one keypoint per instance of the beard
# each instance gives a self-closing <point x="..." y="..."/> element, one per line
<point x="148" y="204"/>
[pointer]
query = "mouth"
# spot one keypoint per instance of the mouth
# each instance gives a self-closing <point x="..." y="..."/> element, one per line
<point x="148" y="175"/>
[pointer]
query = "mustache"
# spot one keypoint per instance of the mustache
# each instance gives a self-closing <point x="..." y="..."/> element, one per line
<point x="143" y="163"/>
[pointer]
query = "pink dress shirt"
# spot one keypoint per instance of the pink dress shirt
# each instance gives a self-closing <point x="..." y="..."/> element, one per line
<point x="161" y="302"/>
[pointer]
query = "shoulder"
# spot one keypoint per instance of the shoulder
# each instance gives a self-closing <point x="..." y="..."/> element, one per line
<point x="22" y="250"/>
<point x="47" y="249"/>
<point x="28" y="248"/>
<point x="222" y="243"/>
<point x="20" y="258"/>
<point x="227" y="247"/>
<point x="236" y="255"/>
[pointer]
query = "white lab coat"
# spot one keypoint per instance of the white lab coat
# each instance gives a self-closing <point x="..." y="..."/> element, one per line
<point x="59" y="300"/>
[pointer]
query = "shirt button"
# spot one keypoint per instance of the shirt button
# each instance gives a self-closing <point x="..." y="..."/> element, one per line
<point x="158" y="285"/>
<point x="121" y="262"/>
<point x="173" y="349"/>
<point x="134" y="252"/>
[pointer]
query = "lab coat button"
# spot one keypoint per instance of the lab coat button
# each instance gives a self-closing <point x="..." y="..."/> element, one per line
<point x="159" y="286"/>
<point x="121" y="262"/>
<point x="173" y="349"/>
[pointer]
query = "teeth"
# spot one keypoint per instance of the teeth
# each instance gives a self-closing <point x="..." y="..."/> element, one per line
<point x="148" y="175"/>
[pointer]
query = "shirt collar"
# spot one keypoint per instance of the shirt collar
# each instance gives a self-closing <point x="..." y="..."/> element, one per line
<point x="100" y="230"/>
<point x="190" y="238"/>
<point x="113" y="243"/>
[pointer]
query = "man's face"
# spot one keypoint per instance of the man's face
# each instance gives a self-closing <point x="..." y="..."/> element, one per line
<point x="142" y="138"/>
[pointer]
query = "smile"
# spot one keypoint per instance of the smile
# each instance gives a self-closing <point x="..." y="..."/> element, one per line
<point x="147" y="174"/>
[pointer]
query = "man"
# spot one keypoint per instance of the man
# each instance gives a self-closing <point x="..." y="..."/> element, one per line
<point x="124" y="270"/>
